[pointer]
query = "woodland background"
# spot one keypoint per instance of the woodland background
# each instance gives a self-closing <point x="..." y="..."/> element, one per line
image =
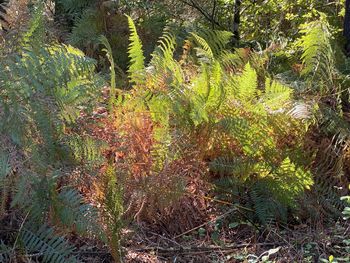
<point x="174" y="131"/>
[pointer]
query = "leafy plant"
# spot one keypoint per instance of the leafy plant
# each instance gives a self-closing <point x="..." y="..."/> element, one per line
<point x="137" y="59"/>
<point x="44" y="88"/>
<point x="236" y="123"/>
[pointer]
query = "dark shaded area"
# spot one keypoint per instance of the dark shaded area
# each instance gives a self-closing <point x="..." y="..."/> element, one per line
<point x="347" y="27"/>
<point x="236" y="21"/>
<point x="3" y="3"/>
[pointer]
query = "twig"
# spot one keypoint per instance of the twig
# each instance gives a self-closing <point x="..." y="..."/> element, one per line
<point x="206" y="223"/>
<point x="168" y="239"/>
<point x="19" y="231"/>
<point x="205" y="249"/>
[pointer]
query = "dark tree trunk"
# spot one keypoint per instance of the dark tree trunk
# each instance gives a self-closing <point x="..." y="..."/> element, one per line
<point x="236" y="22"/>
<point x="347" y="27"/>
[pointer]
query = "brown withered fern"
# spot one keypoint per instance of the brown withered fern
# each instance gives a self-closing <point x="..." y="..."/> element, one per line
<point x="158" y="191"/>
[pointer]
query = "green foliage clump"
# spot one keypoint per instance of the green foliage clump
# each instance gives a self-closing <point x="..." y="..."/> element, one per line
<point x="237" y="122"/>
<point x="44" y="90"/>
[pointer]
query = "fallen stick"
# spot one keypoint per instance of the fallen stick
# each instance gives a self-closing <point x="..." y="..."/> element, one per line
<point x="203" y="249"/>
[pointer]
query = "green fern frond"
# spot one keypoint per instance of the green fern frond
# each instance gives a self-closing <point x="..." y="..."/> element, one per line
<point x="246" y="85"/>
<point x="40" y="202"/>
<point x="231" y="60"/>
<point x="34" y="36"/>
<point x="75" y="6"/>
<point x="267" y="209"/>
<point x="217" y="40"/>
<point x="5" y="189"/>
<point x="207" y="93"/>
<point x="167" y="45"/>
<point x="87" y="29"/>
<point x="114" y="211"/>
<point x="52" y="248"/>
<point x="204" y="52"/>
<point x="234" y="125"/>
<point x="163" y="69"/>
<point x="60" y="73"/>
<point x="237" y="167"/>
<point x="294" y="180"/>
<point x="5" y="167"/>
<point x="276" y="95"/>
<point x="318" y="55"/>
<point x="137" y="60"/>
<point x="75" y="214"/>
<point x="108" y="50"/>
<point x="84" y="149"/>
<point x="6" y="252"/>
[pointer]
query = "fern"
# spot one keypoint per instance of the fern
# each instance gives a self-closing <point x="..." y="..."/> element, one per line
<point x="318" y="53"/>
<point x="137" y="59"/>
<point x="4" y="184"/>
<point x="113" y="211"/>
<point x="44" y="90"/>
<point x="204" y="52"/>
<point x="276" y="95"/>
<point x="217" y="40"/>
<point x="109" y="54"/>
<point x="231" y="60"/>
<point x="330" y="171"/>
<point x="246" y="84"/>
<point x="5" y="252"/>
<point x="267" y="209"/>
<point x="74" y="6"/>
<point x="67" y="84"/>
<point x="50" y="247"/>
<point x="35" y="34"/>
<point x="163" y="69"/>
<point x="237" y="167"/>
<point x="236" y="120"/>
<point x="87" y="29"/>
<point x="3" y="7"/>
<point x="75" y="214"/>
<point x="85" y="150"/>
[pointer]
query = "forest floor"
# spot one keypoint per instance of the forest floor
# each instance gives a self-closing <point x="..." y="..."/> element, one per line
<point x="242" y="243"/>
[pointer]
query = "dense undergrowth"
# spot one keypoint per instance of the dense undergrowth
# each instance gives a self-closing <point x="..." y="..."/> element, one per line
<point x="195" y="140"/>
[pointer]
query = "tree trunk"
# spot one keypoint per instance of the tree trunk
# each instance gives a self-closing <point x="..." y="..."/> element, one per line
<point x="236" y="22"/>
<point x="347" y="27"/>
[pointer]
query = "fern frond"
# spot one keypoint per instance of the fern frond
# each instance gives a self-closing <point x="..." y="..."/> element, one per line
<point x="75" y="214"/>
<point x="204" y="52"/>
<point x="231" y="60"/>
<point x="163" y="69"/>
<point x="276" y="95"/>
<point x="108" y="50"/>
<point x="75" y="6"/>
<point x="318" y="53"/>
<point x="268" y="210"/>
<point x="5" y="252"/>
<point x="217" y="40"/>
<point x="237" y="167"/>
<point x="3" y="8"/>
<point x="137" y="60"/>
<point x="34" y="36"/>
<point x="52" y="248"/>
<point x="60" y="73"/>
<point x="84" y="149"/>
<point x="87" y="29"/>
<point x="246" y="87"/>
<point x="5" y="169"/>
<point x="113" y="211"/>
